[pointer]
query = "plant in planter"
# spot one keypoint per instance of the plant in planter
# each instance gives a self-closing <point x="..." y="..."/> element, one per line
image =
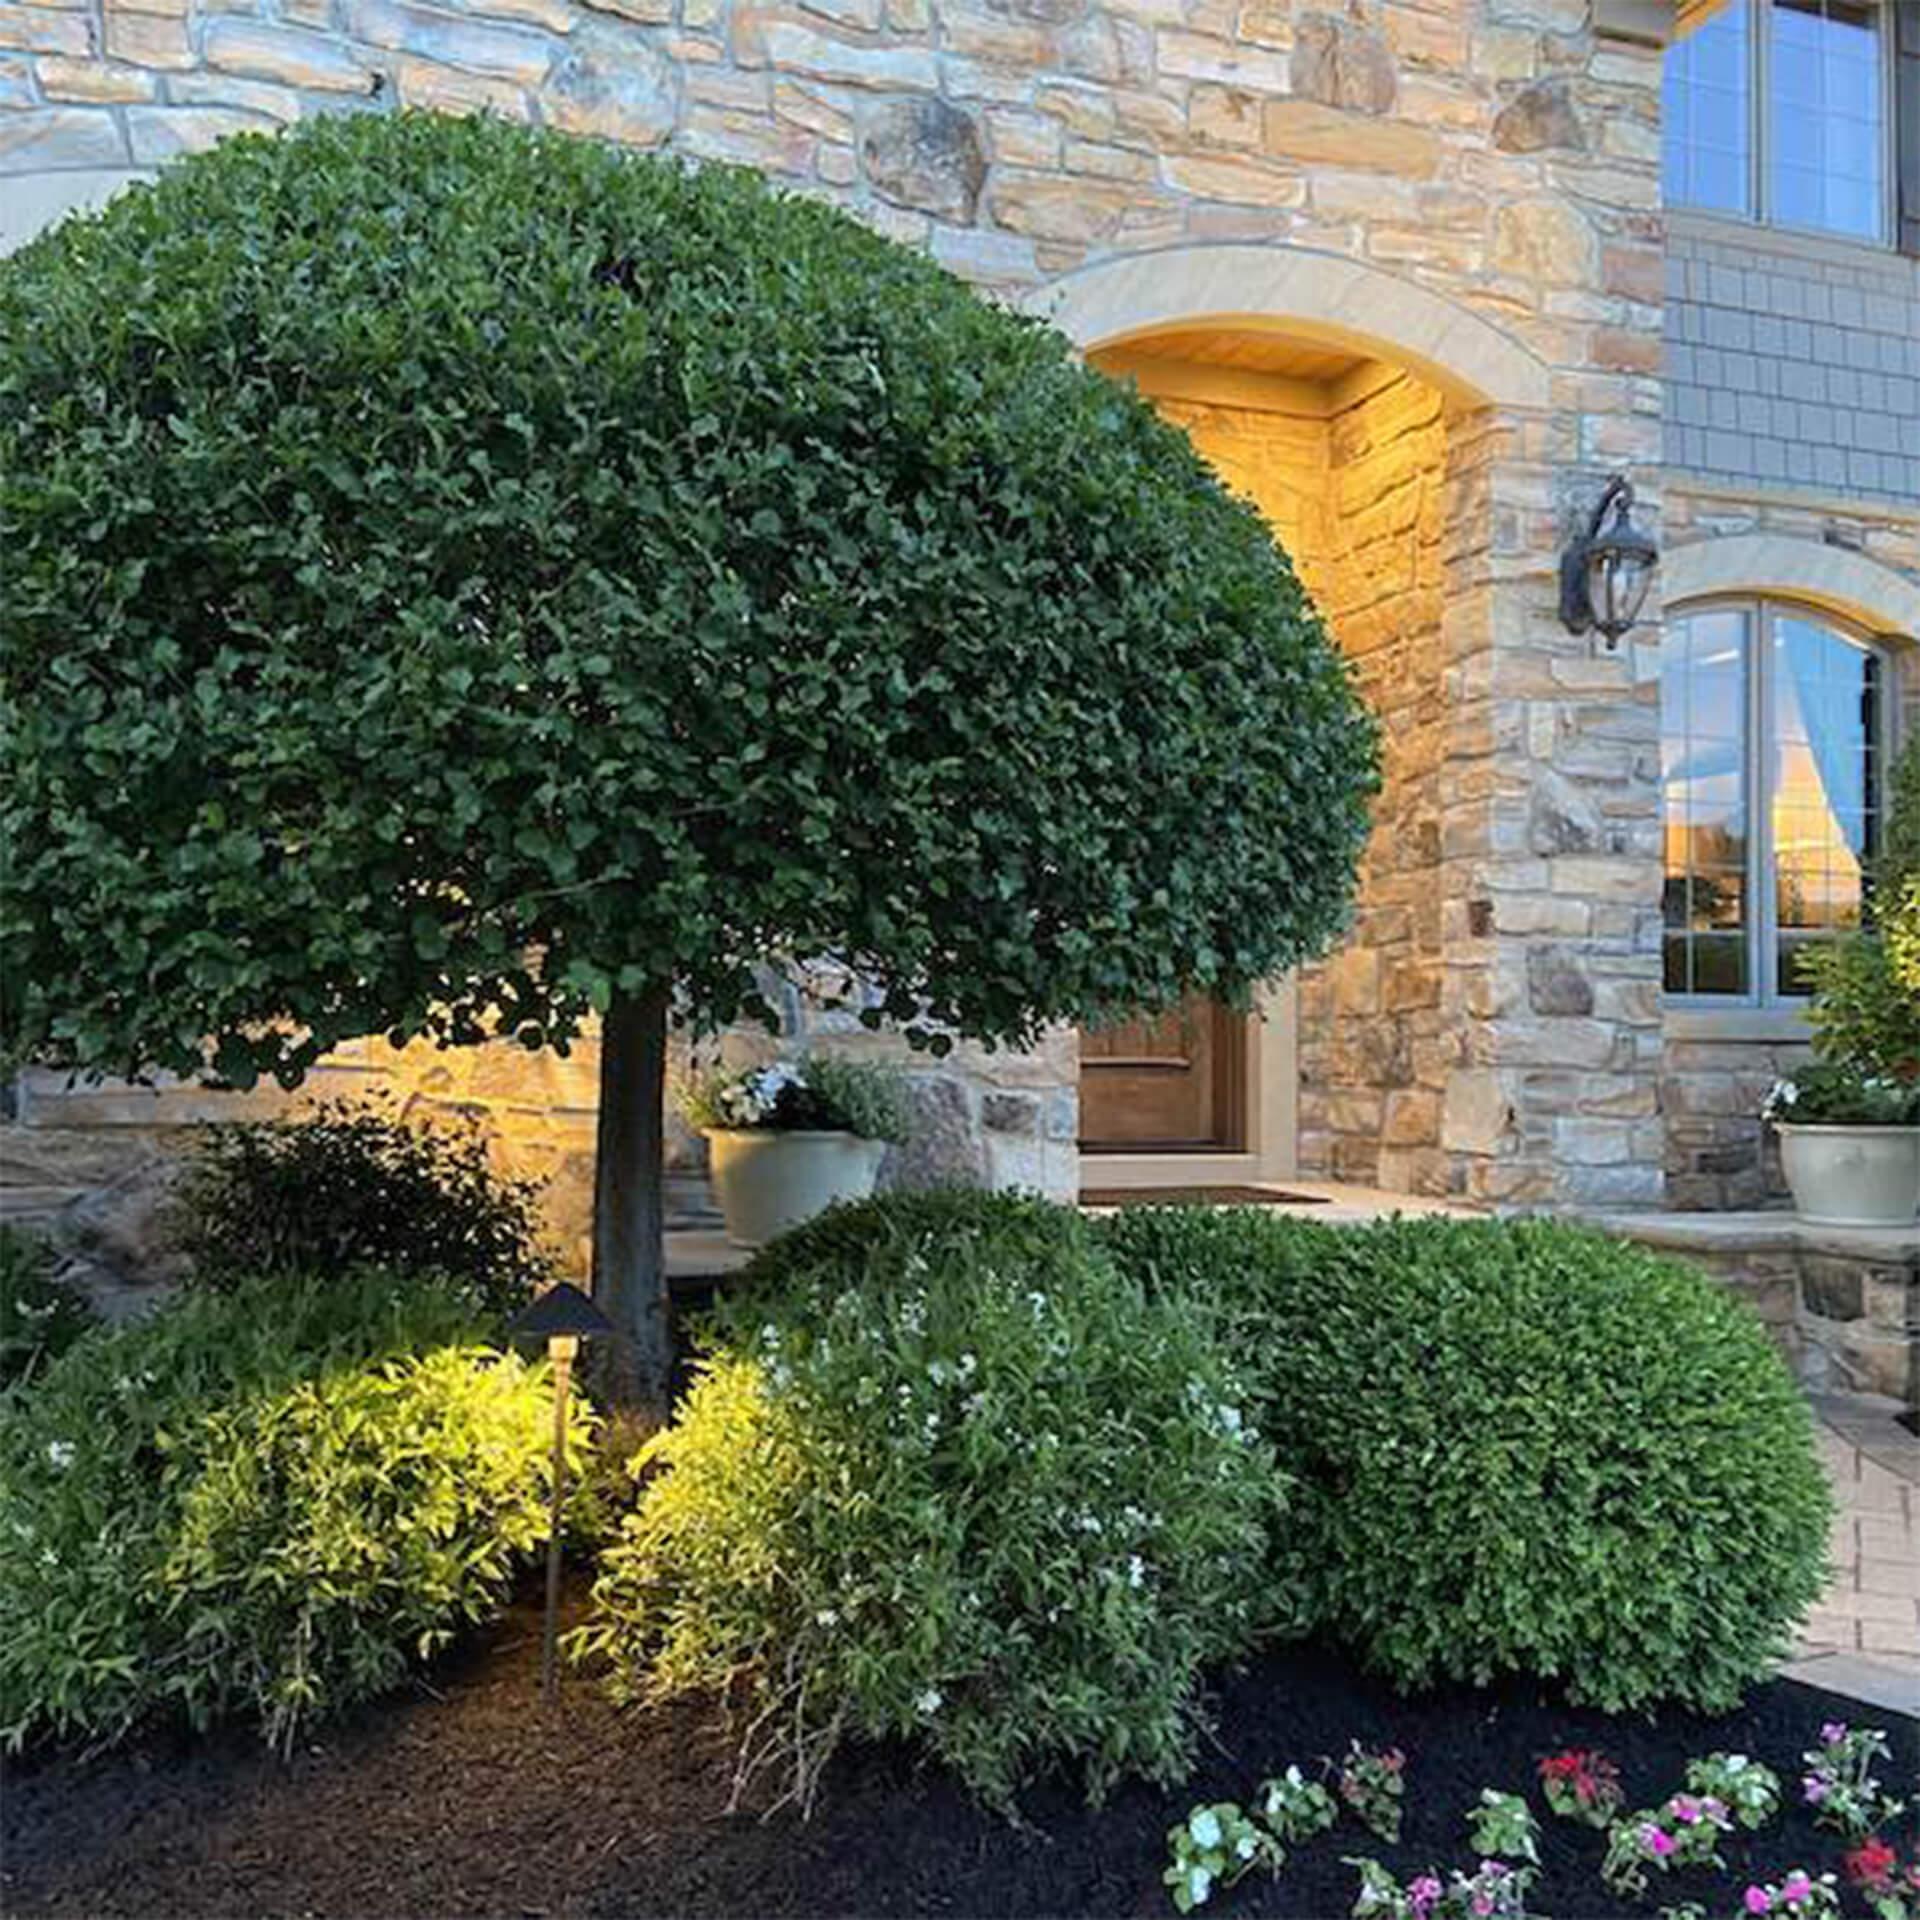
<point x="790" y="1138"/>
<point x="1850" y="1143"/>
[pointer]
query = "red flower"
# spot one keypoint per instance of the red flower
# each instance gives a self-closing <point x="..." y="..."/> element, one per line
<point x="1871" y="1864"/>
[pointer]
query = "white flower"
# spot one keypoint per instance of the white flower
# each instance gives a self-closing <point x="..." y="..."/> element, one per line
<point x="929" y="1702"/>
<point x="60" y="1454"/>
<point x="1136" y="1572"/>
<point x="1090" y="1523"/>
<point x="48" y="1558"/>
<point x="1199" y="1884"/>
<point x="1205" y="1827"/>
<point x="826" y="1617"/>
<point x="1243" y="1847"/>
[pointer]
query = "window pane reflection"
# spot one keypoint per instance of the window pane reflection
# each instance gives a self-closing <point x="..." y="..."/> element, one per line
<point x="1823" y="776"/>
<point x="1705" y="145"/>
<point x="1825" y="137"/>
<point x="1704" y="770"/>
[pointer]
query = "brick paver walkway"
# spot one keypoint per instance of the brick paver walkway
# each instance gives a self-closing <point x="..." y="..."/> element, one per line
<point x="1873" y="1606"/>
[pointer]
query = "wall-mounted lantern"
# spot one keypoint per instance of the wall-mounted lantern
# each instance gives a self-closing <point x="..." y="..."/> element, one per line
<point x="563" y="1316"/>
<point x="1605" y="575"/>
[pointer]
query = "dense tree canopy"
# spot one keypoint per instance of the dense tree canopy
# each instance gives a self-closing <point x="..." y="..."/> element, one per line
<point x="454" y="575"/>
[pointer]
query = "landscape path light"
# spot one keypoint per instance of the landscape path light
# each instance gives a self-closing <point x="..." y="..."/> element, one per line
<point x="1605" y="574"/>
<point x="563" y="1316"/>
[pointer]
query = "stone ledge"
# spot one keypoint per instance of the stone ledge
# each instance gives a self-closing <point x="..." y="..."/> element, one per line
<point x="1760" y="1232"/>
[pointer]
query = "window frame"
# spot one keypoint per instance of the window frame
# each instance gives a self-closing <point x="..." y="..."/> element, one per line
<point x="1758" y="211"/>
<point x="1762" y="610"/>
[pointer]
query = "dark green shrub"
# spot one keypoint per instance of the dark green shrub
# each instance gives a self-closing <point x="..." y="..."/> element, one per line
<point x="1523" y="1447"/>
<point x="346" y="1186"/>
<point x="39" y="1317"/>
<point x="265" y="1503"/>
<point x="949" y="1475"/>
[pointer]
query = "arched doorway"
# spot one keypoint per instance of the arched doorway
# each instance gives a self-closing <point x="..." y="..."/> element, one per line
<point x="1354" y="410"/>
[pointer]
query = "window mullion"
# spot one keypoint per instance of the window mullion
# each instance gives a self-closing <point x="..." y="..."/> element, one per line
<point x="1760" y="67"/>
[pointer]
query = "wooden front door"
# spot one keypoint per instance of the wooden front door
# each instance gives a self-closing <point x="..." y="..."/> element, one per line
<point x="1172" y="1084"/>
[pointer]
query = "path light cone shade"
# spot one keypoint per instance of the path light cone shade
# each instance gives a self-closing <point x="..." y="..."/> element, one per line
<point x="560" y="1312"/>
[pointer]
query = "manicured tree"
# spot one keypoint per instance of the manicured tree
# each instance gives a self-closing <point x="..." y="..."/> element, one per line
<point x="460" y="581"/>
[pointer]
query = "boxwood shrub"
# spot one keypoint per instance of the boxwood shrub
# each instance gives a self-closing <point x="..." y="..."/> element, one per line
<point x="948" y="1474"/>
<point x="1523" y="1446"/>
<point x="346" y="1185"/>
<point x="265" y="1503"/>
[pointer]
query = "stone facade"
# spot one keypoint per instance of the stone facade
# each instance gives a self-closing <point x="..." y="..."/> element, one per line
<point x="1459" y="201"/>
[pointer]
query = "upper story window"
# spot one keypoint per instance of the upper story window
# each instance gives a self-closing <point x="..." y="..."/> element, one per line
<point x="1777" y="110"/>
<point x="1772" y="740"/>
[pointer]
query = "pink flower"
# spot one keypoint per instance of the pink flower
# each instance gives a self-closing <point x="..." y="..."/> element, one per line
<point x="1796" y="1886"/>
<point x="1814" y="1788"/>
<point x="1657" y="1841"/>
<point x="1686" y="1811"/>
<point x="1833" y="1732"/>
<point x="1482" y="1904"/>
<point x="1759" y="1900"/>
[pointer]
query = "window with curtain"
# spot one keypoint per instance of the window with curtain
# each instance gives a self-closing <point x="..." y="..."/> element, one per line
<point x="1777" y="110"/>
<point x="1772" y="723"/>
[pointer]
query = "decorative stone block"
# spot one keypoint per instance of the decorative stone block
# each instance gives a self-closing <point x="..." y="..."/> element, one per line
<point x="1338" y="61"/>
<point x="925" y="154"/>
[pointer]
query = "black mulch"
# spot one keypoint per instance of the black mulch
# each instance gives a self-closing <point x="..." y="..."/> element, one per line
<point x="470" y="1800"/>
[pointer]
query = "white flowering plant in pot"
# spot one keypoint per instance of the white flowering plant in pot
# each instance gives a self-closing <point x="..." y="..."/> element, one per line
<point x="1849" y="1143"/>
<point x="788" y="1138"/>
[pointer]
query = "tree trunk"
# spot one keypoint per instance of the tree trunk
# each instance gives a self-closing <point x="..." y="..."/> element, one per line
<point x="629" y="1253"/>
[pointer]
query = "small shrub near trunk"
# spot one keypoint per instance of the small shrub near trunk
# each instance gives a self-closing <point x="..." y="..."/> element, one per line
<point x="949" y="1475"/>
<point x="267" y="1503"/>
<point x="344" y="1186"/>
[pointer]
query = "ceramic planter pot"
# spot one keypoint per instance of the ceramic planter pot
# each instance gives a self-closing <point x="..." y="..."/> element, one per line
<point x="768" y="1182"/>
<point x="1853" y="1176"/>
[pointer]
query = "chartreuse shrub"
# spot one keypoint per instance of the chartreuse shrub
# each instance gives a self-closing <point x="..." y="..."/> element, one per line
<point x="462" y="579"/>
<point x="266" y="1503"/>
<point x="40" y="1318"/>
<point x="964" y="1483"/>
<point x="344" y="1186"/>
<point x="1522" y="1446"/>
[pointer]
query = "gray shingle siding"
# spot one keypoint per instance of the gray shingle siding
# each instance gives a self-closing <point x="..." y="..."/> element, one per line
<point x="1792" y="362"/>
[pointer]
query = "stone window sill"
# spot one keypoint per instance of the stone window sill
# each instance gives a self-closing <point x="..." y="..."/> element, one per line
<point x="1735" y="1024"/>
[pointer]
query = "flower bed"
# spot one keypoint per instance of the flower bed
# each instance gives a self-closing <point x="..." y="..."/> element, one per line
<point x="473" y="1802"/>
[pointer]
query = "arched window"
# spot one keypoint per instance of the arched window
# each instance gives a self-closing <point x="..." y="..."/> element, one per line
<point x="1773" y="723"/>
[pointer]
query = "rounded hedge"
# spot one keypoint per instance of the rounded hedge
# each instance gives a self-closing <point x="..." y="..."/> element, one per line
<point x="948" y="1475"/>
<point x="457" y="575"/>
<point x="1522" y="1446"/>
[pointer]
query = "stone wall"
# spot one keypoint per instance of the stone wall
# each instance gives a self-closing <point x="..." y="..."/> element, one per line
<point x="1842" y="1302"/>
<point x="1490" y="164"/>
<point x="1374" y="1058"/>
<point x="97" y="1154"/>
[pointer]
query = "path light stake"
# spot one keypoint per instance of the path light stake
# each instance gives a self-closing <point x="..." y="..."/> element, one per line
<point x="563" y="1316"/>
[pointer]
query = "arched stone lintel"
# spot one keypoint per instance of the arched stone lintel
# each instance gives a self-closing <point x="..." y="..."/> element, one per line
<point x="1307" y="295"/>
<point x="1857" y="587"/>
